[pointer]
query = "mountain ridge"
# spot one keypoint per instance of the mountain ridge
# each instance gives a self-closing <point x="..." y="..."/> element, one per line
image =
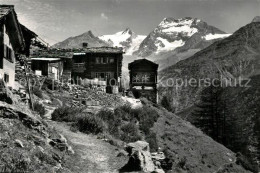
<point x="174" y="32"/>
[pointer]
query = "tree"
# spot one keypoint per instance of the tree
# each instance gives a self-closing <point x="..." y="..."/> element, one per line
<point x="167" y="104"/>
<point x="209" y="113"/>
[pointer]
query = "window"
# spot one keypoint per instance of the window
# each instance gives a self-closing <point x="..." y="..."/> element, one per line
<point x="103" y="60"/>
<point x="111" y="60"/>
<point x="104" y="75"/>
<point x="6" y="78"/>
<point x="98" y="60"/>
<point x="100" y="75"/>
<point x="8" y="53"/>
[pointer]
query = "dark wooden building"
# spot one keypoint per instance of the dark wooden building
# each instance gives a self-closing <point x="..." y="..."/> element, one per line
<point x="50" y="67"/>
<point x="54" y="63"/>
<point x="143" y="78"/>
<point x="104" y="63"/>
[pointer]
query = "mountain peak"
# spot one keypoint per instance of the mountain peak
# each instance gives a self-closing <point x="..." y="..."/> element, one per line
<point x="89" y="33"/>
<point x="127" y="30"/>
<point x="256" y="19"/>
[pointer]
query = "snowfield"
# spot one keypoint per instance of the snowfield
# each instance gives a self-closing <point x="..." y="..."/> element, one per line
<point x="216" y="36"/>
<point x="116" y="38"/>
<point x="165" y="45"/>
<point x="183" y="25"/>
<point x="126" y="36"/>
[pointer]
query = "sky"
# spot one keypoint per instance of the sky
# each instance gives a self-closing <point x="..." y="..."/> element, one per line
<point x="56" y="20"/>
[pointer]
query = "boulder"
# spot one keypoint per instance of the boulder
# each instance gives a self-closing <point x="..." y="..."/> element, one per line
<point x="256" y="19"/>
<point x="18" y="143"/>
<point x="5" y="93"/>
<point x="140" y="157"/>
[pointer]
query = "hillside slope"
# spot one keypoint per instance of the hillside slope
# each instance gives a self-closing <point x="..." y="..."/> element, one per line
<point x="235" y="63"/>
<point x="190" y="149"/>
<point x="237" y="55"/>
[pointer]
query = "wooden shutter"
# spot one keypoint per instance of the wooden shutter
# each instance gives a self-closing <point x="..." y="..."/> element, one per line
<point x="5" y="51"/>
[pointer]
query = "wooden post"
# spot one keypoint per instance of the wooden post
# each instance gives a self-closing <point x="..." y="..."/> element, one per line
<point x="28" y="83"/>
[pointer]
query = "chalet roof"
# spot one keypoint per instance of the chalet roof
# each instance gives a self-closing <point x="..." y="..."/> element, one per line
<point x="4" y="10"/>
<point x="52" y="53"/>
<point x="104" y="50"/>
<point x="68" y="53"/>
<point x="16" y="36"/>
<point x="27" y="31"/>
<point x="142" y="61"/>
<point x="45" y="59"/>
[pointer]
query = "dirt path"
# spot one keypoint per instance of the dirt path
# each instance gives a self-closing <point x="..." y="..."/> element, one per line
<point x="92" y="155"/>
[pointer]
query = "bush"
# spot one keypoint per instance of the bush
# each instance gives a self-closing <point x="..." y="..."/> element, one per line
<point x="130" y="133"/>
<point x="65" y="113"/>
<point x="151" y="139"/>
<point x="113" y="121"/>
<point x="167" y="104"/>
<point x="37" y="92"/>
<point x="39" y="108"/>
<point x="246" y="163"/>
<point x="147" y="118"/>
<point x="89" y="123"/>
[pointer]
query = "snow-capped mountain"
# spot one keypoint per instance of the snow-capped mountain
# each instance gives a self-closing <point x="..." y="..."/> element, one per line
<point x="171" y="41"/>
<point x="126" y="39"/>
<point x="174" y="33"/>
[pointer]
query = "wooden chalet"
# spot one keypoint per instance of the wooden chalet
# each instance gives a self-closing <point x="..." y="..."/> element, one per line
<point x="53" y="63"/>
<point x="15" y="40"/>
<point x="50" y="67"/>
<point x="143" y="78"/>
<point x="104" y="63"/>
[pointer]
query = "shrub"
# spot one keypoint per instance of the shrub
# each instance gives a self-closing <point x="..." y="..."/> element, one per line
<point x="147" y="118"/>
<point x="113" y="121"/>
<point x="151" y="139"/>
<point x="246" y="163"/>
<point x="37" y="92"/>
<point x="167" y="104"/>
<point x="65" y="113"/>
<point x="39" y="108"/>
<point x="130" y="133"/>
<point x="181" y="164"/>
<point x="89" y="123"/>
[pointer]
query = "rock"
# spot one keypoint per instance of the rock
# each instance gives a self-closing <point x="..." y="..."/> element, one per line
<point x="5" y="93"/>
<point x="158" y="170"/>
<point x="70" y="150"/>
<point x="62" y="138"/>
<point x="41" y="149"/>
<point x="18" y="143"/>
<point x="122" y="153"/>
<point x="140" y="157"/>
<point x="61" y="143"/>
<point x="256" y="19"/>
